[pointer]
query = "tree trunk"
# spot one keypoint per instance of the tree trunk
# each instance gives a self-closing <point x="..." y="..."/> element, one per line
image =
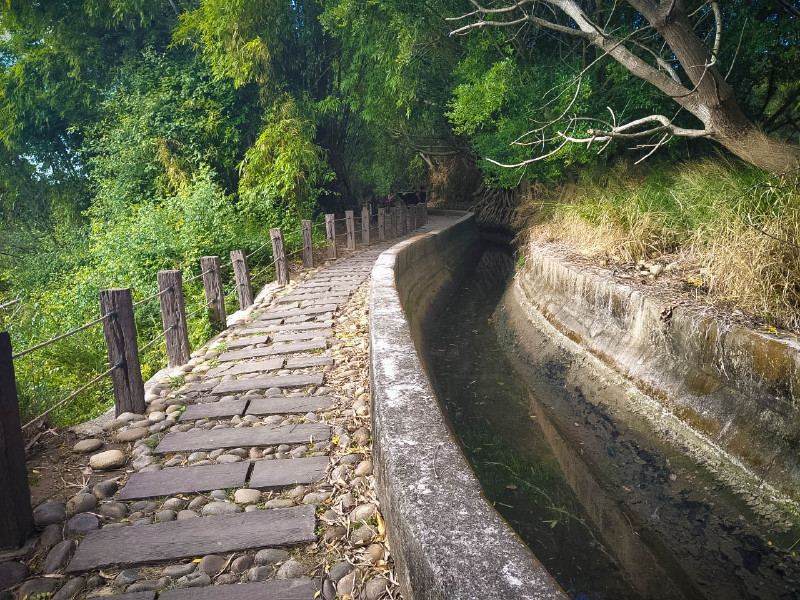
<point x="752" y="145"/>
<point x="711" y="98"/>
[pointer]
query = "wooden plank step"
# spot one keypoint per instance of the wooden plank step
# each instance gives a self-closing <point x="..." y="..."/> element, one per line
<point x="301" y="312"/>
<point x="302" y="362"/>
<point x="301" y="297"/>
<point x="268" y="381"/>
<point x="288" y="327"/>
<point x="285" y="405"/>
<point x="243" y="437"/>
<point x="313" y="304"/>
<point x="184" y="480"/>
<point x="214" y="410"/>
<point x="308" y="334"/>
<point x="333" y="298"/>
<point x="198" y="386"/>
<point x="253" y="366"/>
<point x="313" y="284"/>
<point x="249" y="341"/>
<point x="140" y="544"/>
<point x="275" y="474"/>
<point x="277" y="589"/>
<point x="306" y="318"/>
<point x="288" y="348"/>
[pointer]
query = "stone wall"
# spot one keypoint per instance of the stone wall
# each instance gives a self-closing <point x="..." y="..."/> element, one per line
<point x="735" y="386"/>
<point x="447" y="541"/>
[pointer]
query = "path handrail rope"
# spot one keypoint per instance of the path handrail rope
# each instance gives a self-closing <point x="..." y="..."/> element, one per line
<point x="136" y="304"/>
<point x="156" y="295"/>
<point x="269" y="242"/>
<point x="257" y="250"/>
<point x="198" y="276"/>
<point x="72" y="395"/>
<point x="155" y="339"/>
<point x="264" y="270"/>
<point x="206" y="305"/>
<point x="62" y="336"/>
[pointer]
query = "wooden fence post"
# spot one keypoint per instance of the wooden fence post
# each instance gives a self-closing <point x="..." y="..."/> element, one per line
<point x="350" y="221"/>
<point x="123" y="350"/>
<point x="401" y="225"/>
<point x="242" y="277"/>
<point x="381" y="224"/>
<point x="395" y="210"/>
<point x="330" y="233"/>
<point x="212" y="285"/>
<point x="308" y="245"/>
<point x="365" y="223"/>
<point x="173" y="316"/>
<point x="411" y="218"/>
<point x="279" y="254"/>
<point x="424" y="213"/>
<point x="16" y="516"/>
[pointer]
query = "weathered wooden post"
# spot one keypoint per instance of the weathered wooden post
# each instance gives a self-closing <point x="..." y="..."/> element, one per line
<point x="123" y="350"/>
<point x="16" y="516"/>
<point x="350" y="221"/>
<point x="330" y="234"/>
<point x="281" y="268"/>
<point x="401" y="222"/>
<point x="308" y="245"/>
<point x="212" y="285"/>
<point x="394" y="212"/>
<point x="365" y="222"/>
<point x="411" y="218"/>
<point x="381" y="224"/>
<point x="173" y="316"/>
<point x="242" y="277"/>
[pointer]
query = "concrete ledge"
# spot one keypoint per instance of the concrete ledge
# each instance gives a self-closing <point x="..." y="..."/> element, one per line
<point x="448" y="542"/>
<point x="733" y="385"/>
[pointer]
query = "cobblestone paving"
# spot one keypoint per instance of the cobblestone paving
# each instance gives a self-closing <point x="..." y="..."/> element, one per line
<point x="250" y="476"/>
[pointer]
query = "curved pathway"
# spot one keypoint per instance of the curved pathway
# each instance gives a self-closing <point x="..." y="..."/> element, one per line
<point x="256" y="469"/>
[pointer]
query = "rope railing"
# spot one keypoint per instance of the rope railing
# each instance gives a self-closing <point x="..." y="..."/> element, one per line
<point x="62" y="336"/>
<point x="198" y="276"/>
<point x="72" y="395"/>
<point x="206" y="305"/>
<point x="155" y="339"/>
<point x="264" y="270"/>
<point x="156" y="295"/>
<point x="121" y="335"/>
<point x="257" y="250"/>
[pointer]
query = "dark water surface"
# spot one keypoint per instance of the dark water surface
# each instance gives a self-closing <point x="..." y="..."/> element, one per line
<point x="509" y="425"/>
<point x="489" y="408"/>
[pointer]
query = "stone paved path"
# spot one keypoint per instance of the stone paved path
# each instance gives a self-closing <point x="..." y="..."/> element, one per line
<point x="250" y="463"/>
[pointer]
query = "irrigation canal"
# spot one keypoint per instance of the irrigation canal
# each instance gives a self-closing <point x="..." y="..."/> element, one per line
<point x="612" y="512"/>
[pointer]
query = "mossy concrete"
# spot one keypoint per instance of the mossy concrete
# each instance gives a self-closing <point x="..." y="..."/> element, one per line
<point x="447" y="541"/>
<point x="733" y="385"/>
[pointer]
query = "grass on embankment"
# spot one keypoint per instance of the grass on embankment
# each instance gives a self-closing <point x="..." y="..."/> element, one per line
<point x="736" y="226"/>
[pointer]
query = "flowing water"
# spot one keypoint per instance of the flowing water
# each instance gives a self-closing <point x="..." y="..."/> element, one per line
<point x="659" y="537"/>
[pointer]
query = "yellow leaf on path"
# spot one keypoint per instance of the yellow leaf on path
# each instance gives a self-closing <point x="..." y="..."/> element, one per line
<point x="197" y="560"/>
<point x="381" y="525"/>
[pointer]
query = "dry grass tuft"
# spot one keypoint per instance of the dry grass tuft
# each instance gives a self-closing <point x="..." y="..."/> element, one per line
<point x="736" y="225"/>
